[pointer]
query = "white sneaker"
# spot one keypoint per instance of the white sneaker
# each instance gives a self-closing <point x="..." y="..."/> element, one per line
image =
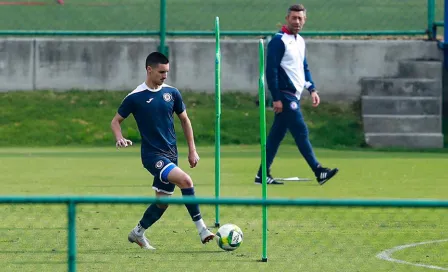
<point x="206" y="235"/>
<point x="142" y="241"/>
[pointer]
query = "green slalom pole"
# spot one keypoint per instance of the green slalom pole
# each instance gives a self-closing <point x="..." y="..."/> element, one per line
<point x="71" y="236"/>
<point x="261" y="96"/>
<point x="217" y="119"/>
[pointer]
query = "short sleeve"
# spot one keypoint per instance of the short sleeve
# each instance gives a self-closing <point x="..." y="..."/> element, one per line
<point x="126" y="107"/>
<point x="179" y="105"/>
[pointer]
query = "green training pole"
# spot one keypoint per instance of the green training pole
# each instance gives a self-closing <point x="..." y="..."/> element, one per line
<point x="217" y="119"/>
<point x="163" y="14"/>
<point x="71" y="227"/>
<point x="431" y="18"/>
<point x="261" y="96"/>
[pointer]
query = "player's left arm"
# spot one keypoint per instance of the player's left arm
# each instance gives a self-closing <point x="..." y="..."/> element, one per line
<point x="180" y="110"/>
<point x="185" y="122"/>
<point x="310" y="84"/>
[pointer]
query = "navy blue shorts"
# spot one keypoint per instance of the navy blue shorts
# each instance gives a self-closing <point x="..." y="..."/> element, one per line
<point x="160" y="167"/>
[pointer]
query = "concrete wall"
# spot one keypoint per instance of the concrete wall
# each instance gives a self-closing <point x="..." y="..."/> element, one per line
<point x="117" y="63"/>
<point x="16" y="64"/>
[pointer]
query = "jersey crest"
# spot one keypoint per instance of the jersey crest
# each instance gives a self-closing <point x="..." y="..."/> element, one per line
<point x="167" y="97"/>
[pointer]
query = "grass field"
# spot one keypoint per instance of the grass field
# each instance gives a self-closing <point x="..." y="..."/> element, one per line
<point x="33" y="237"/>
<point x="343" y="15"/>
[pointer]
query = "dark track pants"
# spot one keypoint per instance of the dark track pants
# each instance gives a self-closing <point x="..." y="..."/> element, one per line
<point x="289" y="119"/>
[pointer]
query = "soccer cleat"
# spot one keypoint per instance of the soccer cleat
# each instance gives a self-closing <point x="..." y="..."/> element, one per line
<point x="206" y="235"/>
<point x="142" y="241"/>
<point x="325" y="174"/>
<point x="269" y="180"/>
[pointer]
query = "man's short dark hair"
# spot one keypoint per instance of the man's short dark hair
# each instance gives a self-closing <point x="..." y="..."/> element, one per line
<point x="298" y="8"/>
<point x="156" y="58"/>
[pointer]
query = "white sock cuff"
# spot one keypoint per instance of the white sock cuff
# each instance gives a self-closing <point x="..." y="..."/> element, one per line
<point x="200" y="224"/>
<point x="139" y="230"/>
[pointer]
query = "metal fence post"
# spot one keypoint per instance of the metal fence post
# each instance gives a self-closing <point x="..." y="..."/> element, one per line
<point x="163" y="14"/>
<point x="71" y="236"/>
<point x="431" y="16"/>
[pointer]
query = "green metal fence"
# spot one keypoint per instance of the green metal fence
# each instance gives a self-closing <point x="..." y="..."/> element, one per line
<point x="73" y="201"/>
<point x="238" y="17"/>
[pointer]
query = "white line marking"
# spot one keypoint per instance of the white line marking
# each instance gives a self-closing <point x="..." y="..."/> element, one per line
<point x="293" y="179"/>
<point x="386" y="254"/>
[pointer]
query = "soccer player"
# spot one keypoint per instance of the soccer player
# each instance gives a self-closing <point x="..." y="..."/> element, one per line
<point x="153" y="105"/>
<point x="287" y="75"/>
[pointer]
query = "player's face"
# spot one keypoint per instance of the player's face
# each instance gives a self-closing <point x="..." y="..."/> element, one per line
<point x="159" y="73"/>
<point x="296" y="21"/>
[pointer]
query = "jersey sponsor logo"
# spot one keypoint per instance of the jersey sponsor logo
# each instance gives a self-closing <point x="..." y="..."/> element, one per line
<point x="293" y="105"/>
<point x="167" y="97"/>
<point x="159" y="164"/>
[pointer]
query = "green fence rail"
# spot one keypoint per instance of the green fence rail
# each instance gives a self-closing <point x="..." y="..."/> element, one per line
<point x="238" y="18"/>
<point x="73" y="201"/>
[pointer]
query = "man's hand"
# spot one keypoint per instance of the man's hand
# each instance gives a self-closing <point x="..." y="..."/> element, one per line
<point x="316" y="99"/>
<point x="193" y="158"/>
<point x="123" y="143"/>
<point x="278" y="106"/>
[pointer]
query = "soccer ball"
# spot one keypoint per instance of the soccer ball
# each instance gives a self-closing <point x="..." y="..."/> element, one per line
<point x="229" y="237"/>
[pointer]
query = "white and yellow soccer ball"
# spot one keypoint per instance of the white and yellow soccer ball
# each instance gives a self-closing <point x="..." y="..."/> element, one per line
<point x="229" y="237"/>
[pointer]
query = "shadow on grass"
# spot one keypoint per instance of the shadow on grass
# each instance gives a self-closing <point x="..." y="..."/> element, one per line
<point x="238" y="257"/>
<point x="56" y="262"/>
<point x="33" y="252"/>
<point x="28" y="229"/>
<point x="118" y="186"/>
<point x="39" y="262"/>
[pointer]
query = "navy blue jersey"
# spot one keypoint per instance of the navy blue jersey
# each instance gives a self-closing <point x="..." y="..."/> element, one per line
<point x="153" y="111"/>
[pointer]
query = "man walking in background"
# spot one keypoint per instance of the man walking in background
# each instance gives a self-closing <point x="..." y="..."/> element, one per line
<point x="287" y="76"/>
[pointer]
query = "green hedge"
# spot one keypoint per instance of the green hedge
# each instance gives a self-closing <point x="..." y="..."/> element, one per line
<point x="47" y="118"/>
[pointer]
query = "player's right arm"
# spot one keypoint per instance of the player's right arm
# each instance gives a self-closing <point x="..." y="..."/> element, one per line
<point x="275" y="52"/>
<point x="116" y="129"/>
<point x="123" y="112"/>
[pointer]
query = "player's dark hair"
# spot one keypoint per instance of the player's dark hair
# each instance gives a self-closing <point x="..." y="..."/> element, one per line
<point x="156" y="58"/>
<point x="297" y="8"/>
